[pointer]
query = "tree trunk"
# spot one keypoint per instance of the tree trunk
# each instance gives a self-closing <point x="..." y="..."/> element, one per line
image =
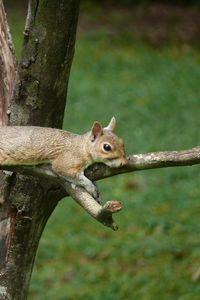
<point x="38" y="99"/>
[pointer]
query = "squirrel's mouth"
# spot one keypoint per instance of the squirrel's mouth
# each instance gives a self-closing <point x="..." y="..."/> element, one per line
<point x="116" y="162"/>
<point x="124" y="161"/>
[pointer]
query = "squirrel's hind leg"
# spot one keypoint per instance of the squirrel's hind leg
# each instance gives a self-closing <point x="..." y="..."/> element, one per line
<point x="90" y="186"/>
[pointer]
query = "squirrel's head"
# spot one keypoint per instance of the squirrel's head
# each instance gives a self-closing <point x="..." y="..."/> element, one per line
<point x="105" y="146"/>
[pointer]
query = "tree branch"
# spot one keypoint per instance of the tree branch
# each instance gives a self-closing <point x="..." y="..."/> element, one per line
<point x="103" y="214"/>
<point x="95" y="172"/>
<point x="151" y="160"/>
<point x="136" y="162"/>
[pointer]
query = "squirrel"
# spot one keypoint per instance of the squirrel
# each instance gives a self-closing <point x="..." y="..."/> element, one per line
<point x="68" y="154"/>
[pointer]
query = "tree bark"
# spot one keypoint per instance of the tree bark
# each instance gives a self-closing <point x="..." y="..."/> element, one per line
<point x="39" y="97"/>
<point x="7" y="67"/>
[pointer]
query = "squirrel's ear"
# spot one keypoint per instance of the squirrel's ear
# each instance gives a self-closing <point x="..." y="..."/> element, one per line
<point x="96" y="131"/>
<point x="111" y="125"/>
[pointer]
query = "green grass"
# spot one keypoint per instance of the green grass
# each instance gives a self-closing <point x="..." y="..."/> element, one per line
<point x="154" y="95"/>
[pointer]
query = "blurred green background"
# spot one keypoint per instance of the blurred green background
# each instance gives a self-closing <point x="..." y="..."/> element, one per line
<point x="140" y="63"/>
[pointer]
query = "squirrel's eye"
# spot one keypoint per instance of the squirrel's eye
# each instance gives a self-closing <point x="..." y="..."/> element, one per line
<point x="107" y="147"/>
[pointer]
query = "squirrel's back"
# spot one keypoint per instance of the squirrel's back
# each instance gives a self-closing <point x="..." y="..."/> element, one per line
<point x="32" y="144"/>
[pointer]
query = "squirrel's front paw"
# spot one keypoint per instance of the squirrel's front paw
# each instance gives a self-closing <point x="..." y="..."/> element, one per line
<point x="98" y="197"/>
<point x="93" y="191"/>
<point x="95" y="194"/>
